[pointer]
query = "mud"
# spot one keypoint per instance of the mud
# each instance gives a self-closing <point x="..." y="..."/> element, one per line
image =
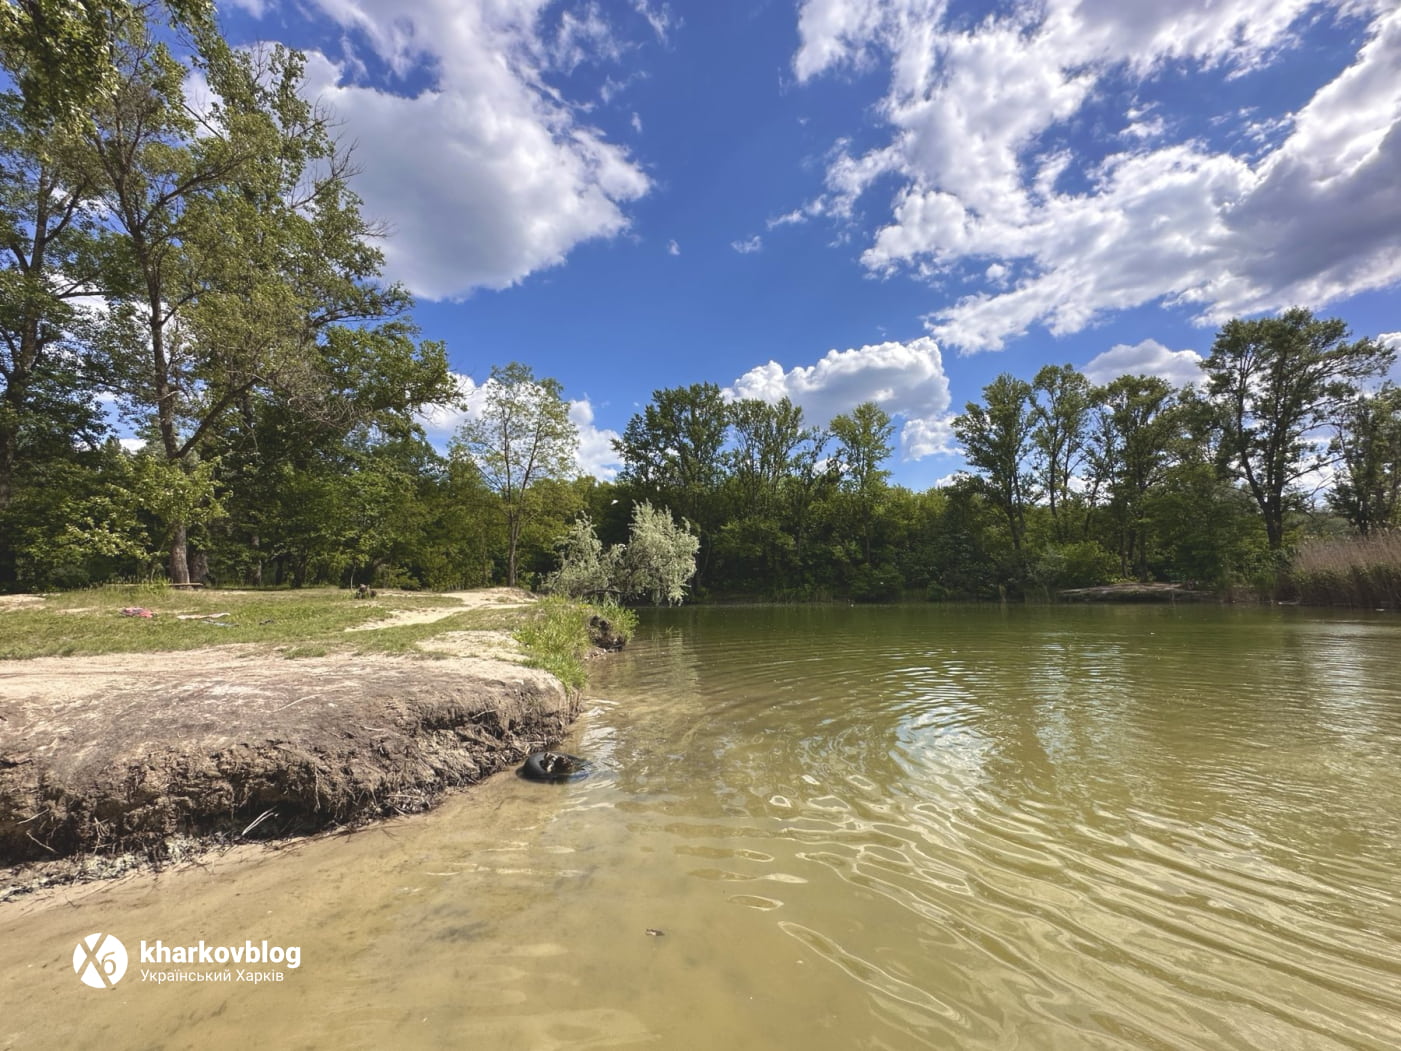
<point x="116" y="756"/>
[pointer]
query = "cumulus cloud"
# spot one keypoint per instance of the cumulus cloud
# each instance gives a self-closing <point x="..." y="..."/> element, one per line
<point x="978" y="118"/>
<point x="1181" y="368"/>
<point x="490" y="174"/>
<point x="595" y="455"/>
<point x="906" y="380"/>
<point x="441" y="420"/>
<point x="748" y="246"/>
<point x="672" y="248"/>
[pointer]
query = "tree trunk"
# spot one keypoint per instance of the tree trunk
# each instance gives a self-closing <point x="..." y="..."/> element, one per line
<point x="179" y="554"/>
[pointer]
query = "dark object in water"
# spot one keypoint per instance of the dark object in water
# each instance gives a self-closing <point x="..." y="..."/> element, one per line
<point x="553" y="766"/>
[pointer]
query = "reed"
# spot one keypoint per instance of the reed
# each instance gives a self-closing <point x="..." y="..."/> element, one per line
<point x="1359" y="571"/>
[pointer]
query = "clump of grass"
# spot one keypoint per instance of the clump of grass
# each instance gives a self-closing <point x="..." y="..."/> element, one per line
<point x="621" y="620"/>
<point x="556" y="638"/>
<point x="1357" y="571"/>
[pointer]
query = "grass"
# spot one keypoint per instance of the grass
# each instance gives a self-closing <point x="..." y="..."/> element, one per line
<point x="1357" y="571"/>
<point x="558" y="637"/>
<point x="554" y="632"/>
<point x="90" y="622"/>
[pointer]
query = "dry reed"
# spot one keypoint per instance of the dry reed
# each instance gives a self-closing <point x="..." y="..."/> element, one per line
<point x="1360" y="571"/>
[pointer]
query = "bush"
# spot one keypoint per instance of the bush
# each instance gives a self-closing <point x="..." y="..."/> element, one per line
<point x="656" y="563"/>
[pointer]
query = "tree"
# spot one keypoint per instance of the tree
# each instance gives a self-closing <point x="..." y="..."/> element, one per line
<point x="671" y="451"/>
<point x="767" y="438"/>
<point x="656" y="563"/>
<point x="863" y="437"/>
<point x="1367" y="491"/>
<point x="523" y="434"/>
<point x="1130" y="451"/>
<point x="1276" y="382"/>
<point x="1061" y="414"/>
<point x="996" y="439"/>
<point x="238" y="265"/>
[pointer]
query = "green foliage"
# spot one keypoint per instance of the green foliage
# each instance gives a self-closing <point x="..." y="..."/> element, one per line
<point x="1368" y="445"/>
<point x="586" y="569"/>
<point x="655" y="564"/>
<point x="1274" y="383"/>
<point x="997" y="438"/>
<point x="523" y="436"/>
<point x="660" y="558"/>
<point x="556" y="638"/>
<point x="1078" y="564"/>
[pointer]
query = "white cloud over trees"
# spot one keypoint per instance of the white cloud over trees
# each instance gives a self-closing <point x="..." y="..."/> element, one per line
<point x="906" y="380"/>
<point x="1181" y="368"/>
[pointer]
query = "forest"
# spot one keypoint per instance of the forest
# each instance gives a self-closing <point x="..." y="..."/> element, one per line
<point x="198" y="272"/>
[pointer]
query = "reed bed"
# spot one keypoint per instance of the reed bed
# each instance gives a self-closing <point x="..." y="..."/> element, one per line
<point x="1360" y="571"/>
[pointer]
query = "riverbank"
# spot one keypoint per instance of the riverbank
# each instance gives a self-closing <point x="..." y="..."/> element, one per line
<point x="1138" y="592"/>
<point x="113" y="760"/>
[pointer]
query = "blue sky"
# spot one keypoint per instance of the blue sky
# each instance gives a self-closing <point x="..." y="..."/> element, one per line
<point x="843" y="200"/>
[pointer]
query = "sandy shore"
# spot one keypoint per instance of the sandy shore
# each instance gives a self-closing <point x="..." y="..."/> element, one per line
<point x="141" y="756"/>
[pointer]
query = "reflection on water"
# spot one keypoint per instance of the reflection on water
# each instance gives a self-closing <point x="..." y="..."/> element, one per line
<point x="843" y="828"/>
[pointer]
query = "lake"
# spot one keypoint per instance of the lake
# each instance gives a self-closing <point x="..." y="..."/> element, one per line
<point x="960" y="827"/>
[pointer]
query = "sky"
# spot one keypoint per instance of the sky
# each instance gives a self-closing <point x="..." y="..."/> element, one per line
<point x="852" y="200"/>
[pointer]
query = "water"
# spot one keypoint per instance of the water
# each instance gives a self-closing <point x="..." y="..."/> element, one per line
<point x="949" y="827"/>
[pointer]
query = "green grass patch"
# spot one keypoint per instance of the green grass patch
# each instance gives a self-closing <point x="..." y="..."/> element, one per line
<point x="556" y="638"/>
<point x="554" y="632"/>
<point x="91" y="622"/>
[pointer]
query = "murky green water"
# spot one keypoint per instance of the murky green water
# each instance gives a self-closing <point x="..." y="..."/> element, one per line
<point x="1116" y="827"/>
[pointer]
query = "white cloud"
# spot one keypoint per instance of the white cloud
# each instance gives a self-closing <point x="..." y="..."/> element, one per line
<point x="595" y="455"/>
<point x="441" y="420"/>
<point x="906" y="380"/>
<point x="659" y="18"/>
<point x="1309" y="211"/>
<point x="489" y="175"/>
<point x="672" y="248"/>
<point x="1390" y="339"/>
<point x="748" y="246"/>
<point x="1181" y="368"/>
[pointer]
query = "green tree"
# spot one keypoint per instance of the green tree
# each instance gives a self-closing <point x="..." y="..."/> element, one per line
<point x="1061" y="415"/>
<point x="656" y="563"/>
<point x="996" y="439"/>
<point x="1275" y="383"/>
<point x="522" y="435"/>
<point x="1367" y="491"/>
<point x="863" y="444"/>
<point x="586" y="568"/>
<point x="672" y="449"/>
<point x="1130" y="450"/>
<point x="660" y="558"/>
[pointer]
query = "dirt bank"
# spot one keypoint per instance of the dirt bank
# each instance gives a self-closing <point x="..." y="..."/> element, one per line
<point x="1138" y="593"/>
<point x="133" y="753"/>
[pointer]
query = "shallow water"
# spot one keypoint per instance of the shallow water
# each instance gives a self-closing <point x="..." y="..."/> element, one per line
<point x="951" y="827"/>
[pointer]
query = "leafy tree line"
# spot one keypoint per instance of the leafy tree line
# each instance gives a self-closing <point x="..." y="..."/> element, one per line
<point x="201" y="269"/>
<point x="1070" y="484"/>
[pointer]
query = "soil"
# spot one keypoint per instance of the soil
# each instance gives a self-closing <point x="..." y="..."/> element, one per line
<point x="1139" y="593"/>
<point x="106" y="759"/>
